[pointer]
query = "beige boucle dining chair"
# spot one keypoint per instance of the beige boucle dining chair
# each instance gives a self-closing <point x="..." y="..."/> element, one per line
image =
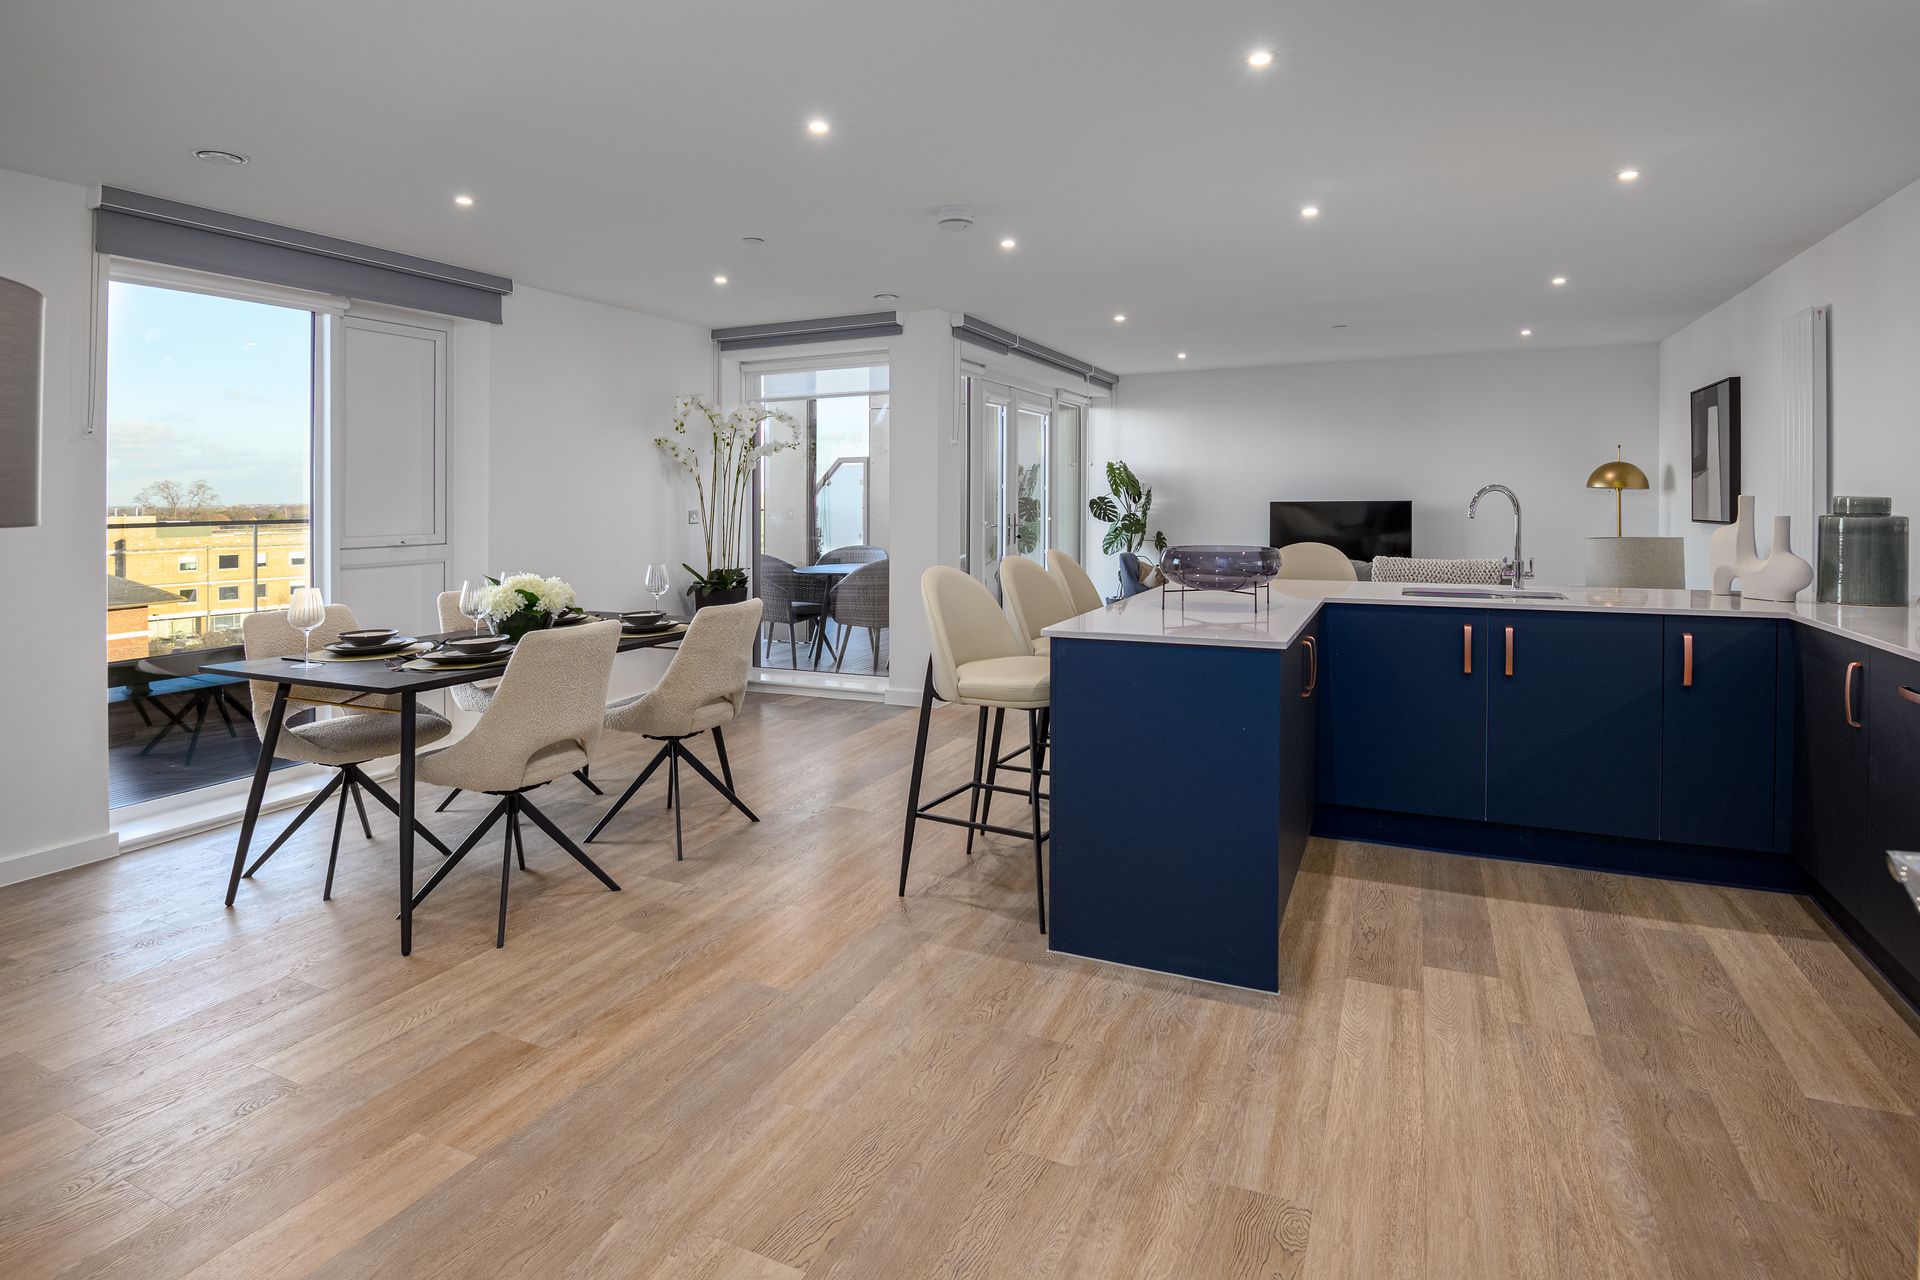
<point x="978" y="661"/>
<point x="544" y="719"/>
<point x="478" y="695"/>
<point x="1080" y="588"/>
<point x="369" y="730"/>
<point x="703" y="690"/>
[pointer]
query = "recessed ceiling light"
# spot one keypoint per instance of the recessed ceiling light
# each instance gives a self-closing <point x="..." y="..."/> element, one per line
<point x="1119" y="318"/>
<point x="753" y="240"/>
<point x="213" y="155"/>
<point x="464" y="201"/>
<point x="1311" y="211"/>
<point x="818" y="127"/>
<point x="1628" y="175"/>
<point x="719" y="279"/>
<point x="1008" y="243"/>
<point x="1526" y="333"/>
<point x="1559" y="280"/>
<point x="1179" y="355"/>
<point x="1260" y="58"/>
<point x="886" y="297"/>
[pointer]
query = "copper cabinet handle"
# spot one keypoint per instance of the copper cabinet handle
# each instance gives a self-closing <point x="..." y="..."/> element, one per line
<point x="1313" y="667"/>
<point x="1909" y="694"/>
<point x="1466" y="650"/>
<point x="1509" y="650"/>
<point x="1686" y="659"/>
<point x="1851" y="722"/>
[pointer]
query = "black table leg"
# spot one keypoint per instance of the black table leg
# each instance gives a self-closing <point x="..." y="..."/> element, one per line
<point x="268" y="742"/>
<point x="408" y="701"/>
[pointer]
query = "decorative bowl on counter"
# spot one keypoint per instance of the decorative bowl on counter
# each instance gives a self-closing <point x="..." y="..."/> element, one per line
<point x="1219" y="568"/>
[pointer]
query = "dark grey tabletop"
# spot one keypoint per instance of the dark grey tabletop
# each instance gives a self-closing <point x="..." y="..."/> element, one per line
<point x="378" y="677"/>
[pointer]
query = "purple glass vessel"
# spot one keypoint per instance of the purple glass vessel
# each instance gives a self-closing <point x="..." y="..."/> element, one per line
<point x="1214" y="568"/>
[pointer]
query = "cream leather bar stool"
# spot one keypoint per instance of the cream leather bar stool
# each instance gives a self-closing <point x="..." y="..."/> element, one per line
<point x="978" y="661"/>
<point x="1035" y="600"/>
<point x="544" y="718"/>
<point x="703" y="690"/>
<point x="476" y="696"/>
<point x="369" y="731"/>
<point x="1080" y="588"/>
<point x="1316" y="562"/>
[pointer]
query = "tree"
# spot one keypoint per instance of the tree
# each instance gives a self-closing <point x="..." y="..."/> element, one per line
<point x="171" y="500"/>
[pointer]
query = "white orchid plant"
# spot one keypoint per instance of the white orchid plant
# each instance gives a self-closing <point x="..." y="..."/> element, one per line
<point x="521" y="602"/>
<point x="720" y="451"/>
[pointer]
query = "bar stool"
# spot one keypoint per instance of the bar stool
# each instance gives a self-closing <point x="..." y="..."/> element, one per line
<point x="1080" y="588"/>
<point x="978" y="661"/>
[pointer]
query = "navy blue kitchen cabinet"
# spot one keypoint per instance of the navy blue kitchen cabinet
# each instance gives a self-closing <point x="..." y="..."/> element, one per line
<point x="1861" y="884"/>
<point x="1829" y="753"/>
<point x="1574" y="723"/>
<point x="1718" y="742"/>
<point x="1403" y="727"/>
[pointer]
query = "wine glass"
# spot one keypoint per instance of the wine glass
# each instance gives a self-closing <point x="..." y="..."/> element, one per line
<point x="657" y="583"/>
<point x="305" y="612"/>
<point x="473" y="602"/>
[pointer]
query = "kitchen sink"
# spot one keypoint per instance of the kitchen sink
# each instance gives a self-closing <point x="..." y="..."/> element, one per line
<point x="1480" y="593"/>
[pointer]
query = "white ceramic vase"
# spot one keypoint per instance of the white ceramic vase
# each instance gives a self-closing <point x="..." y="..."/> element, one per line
<point x="1782" y="575"/>
<point x="1732" y="552"/>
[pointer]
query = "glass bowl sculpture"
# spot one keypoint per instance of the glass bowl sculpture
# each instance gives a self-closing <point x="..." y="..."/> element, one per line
<point x="1210" y="568"/>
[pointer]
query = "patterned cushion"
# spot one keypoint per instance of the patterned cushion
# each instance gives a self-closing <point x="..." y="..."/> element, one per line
<point x="1412" y="569"/>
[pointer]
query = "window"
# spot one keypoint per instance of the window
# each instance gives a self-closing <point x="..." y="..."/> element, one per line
<point x="297" y="558"/>
<point x="189" y="594"/>
<point x="293" y="587"/>
<point x="259" y="559"/>
<point x="230" y="593"/>
<point x="825" y="501"/>
<point x="259" y="590"/>
<point x="189" y="564"/>
<point x="228" y="562"/>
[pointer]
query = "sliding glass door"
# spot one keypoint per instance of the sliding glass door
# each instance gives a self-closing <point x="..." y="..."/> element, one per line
<point x="210" y="445"/>
<point x="1025" y="475"/>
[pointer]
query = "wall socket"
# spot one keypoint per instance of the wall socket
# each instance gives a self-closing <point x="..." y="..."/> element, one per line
<point x="693" y="515"/>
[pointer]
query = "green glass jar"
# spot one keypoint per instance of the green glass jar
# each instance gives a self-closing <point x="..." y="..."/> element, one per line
<point x="1863" y="553"/>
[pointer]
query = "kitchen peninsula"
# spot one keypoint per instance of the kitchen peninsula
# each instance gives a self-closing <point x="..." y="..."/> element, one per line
<point x="1199" y="740"/>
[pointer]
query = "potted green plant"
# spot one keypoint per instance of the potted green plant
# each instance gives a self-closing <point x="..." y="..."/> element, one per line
<point x="720" y="451"/>
<point x="1124" y="511"/>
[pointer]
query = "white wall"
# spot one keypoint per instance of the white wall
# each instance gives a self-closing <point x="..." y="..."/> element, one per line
<point x="1218" y="446"/>
<point x="53" y="778"/>
<point x="576" y="488"/>
<point x="1869" y="273"/>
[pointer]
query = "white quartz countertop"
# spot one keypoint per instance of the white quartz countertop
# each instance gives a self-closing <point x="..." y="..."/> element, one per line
<point x="1216" y="618"/>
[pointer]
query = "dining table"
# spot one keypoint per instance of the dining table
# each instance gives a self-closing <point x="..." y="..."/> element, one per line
<point x="833" y="573"/>
<point x="375" y="677"/>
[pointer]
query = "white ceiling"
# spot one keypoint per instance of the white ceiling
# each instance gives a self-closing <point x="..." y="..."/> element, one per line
<point x="1463" y="152"/>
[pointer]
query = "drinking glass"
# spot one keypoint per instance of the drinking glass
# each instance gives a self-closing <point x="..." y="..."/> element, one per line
<point x="305" y="612"/>
<point x="473" y="602"/>
<point x="657" y="582"/>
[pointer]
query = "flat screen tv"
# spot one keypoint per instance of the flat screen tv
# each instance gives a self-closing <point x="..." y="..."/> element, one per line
<point x="1362" y="530"/>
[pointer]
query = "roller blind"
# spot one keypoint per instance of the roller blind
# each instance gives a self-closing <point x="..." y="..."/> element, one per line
<point x="130" y="225"/>
<point x="991" y="336"/>
<point x="787" y="333"/>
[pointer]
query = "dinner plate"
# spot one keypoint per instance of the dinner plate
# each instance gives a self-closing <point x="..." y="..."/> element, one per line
<point x="454" y="658"/>
<point x="651" y="628"/>
<point x="394" y="645"/>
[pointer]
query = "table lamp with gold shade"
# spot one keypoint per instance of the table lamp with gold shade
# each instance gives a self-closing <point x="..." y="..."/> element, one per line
<point x="1619" y="476"/>
<point x="1620" y="561"/>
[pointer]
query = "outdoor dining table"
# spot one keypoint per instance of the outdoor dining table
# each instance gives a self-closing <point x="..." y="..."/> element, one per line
<point x="374" y="677"/>
<point x="833" y="573"/>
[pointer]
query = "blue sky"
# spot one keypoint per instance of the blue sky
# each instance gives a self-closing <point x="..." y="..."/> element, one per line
<point x="206" y="388"/>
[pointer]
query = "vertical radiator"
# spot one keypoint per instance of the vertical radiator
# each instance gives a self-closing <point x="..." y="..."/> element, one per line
<point x="1805" y="487"/>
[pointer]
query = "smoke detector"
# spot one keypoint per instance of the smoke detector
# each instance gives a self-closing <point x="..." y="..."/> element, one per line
<point x="956" y="217"/>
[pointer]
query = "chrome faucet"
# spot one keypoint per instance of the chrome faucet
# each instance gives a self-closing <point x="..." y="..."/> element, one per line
<point x="1517" y="570"/>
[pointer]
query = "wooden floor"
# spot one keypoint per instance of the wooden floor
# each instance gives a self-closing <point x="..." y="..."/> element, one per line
<point x="760" y="1063"/>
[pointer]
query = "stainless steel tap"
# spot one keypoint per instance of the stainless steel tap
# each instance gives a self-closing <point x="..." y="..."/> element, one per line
<point x="1517" y="570"/>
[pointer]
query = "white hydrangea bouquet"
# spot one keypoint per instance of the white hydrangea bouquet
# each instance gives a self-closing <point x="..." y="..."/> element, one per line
<point x="523" y="602"/>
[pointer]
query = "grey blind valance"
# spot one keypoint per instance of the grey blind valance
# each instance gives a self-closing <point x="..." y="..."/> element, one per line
<point x="788" y="333"/>
<point x="130" y="225"/>
<point x="981" y="334"/>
